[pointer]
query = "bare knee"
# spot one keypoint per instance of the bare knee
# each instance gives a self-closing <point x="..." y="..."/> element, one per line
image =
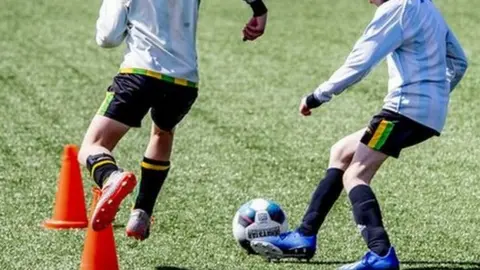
<point x="341" y="155"/>
<point x="161" y="136"/>
<point x="363" y="167"/>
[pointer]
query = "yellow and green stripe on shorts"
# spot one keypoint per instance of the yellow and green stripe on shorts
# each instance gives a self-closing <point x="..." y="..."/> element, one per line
<point x="159" y="76"/>
<point x="106" y="102"/>
<point x="381" y="135"/>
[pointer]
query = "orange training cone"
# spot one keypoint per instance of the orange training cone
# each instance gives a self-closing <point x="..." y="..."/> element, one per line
<point x="69" y="211"/>
<point x="99" y="251"/>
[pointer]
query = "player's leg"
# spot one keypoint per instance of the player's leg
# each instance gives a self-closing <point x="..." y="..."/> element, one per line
<point x="154" y="170"/>
<point x="123" y="108"/>
<point x="95" y="153"/>
<point x="155" y="167"/>
<point x="301" y="243"/>
<point x="383" y="138"/>
<point x="330" y="186"/>
<point x="386" y="136"/>
<point x="170" y="109"/>
<point x="366" y="210"/>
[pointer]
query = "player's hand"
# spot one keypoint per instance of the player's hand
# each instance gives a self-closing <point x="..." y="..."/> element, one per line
<point x="255" y="27"/>
<point x="304" y="109"/>
<point x="307" y="104"/>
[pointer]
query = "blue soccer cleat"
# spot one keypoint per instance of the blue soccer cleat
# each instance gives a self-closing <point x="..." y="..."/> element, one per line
<point x="372" y="261"/>
<point x="291" y="244"/>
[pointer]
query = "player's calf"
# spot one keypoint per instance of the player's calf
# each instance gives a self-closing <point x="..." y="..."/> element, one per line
<point x="366" y="209"/>
<point x="154" y="174"/>
<point x="101" y="166"/>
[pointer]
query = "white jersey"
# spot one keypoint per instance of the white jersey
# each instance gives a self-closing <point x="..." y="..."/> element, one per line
<point x="160" y="36"/>
<point x="425" y="61"/>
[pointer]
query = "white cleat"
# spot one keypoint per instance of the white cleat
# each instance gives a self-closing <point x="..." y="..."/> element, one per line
<point x="118" y="185"/>
<point x="138" y="225"/>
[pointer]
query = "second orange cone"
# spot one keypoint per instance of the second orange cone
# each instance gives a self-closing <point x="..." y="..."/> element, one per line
<point x="99" y="251"/>
<point x="69" y="211"/>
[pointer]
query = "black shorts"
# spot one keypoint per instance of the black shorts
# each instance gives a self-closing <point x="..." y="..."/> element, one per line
<point x="390" y="132"/>
<point x="131" y="96"/>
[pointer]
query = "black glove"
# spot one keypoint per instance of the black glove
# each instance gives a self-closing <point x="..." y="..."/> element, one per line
<point x="258" y="7"/>
<point x="312" y="102"/>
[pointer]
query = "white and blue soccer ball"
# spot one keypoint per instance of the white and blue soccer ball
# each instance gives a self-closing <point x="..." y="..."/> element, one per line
<point x="258" y="218"/>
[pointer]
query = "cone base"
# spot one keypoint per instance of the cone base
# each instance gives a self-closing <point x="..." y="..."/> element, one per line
<point x="61" y="224"/>
<point x="92" y="266"/>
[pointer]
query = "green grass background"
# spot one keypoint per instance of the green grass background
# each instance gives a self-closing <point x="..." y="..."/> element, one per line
<point x="243" y="138"/>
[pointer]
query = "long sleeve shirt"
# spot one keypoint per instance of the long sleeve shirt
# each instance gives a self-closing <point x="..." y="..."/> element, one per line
<point x="160" y="35"/>
<point x="425" y="61"/>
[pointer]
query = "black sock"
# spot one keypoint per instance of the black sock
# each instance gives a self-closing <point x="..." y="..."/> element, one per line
<point x="154" y="173"/>
<point x="100" y="167"/>
<point x="368" y="217"/>
<point x="327" y="192"/>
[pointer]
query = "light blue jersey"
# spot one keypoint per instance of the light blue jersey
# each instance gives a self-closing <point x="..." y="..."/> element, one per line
<point x="425" y="61"/>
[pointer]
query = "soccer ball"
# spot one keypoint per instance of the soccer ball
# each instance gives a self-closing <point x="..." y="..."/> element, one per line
<point x="258" y="218"/>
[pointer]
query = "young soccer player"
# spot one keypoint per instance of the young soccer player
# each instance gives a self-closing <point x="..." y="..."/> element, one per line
<point x="159" y="73"/>
<point x="425" y="63"/>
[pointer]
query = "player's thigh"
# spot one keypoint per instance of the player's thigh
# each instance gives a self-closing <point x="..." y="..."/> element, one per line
<point x="128" y="99"/>
<point x="173" y="104"/>
<point x="390" y="132"/>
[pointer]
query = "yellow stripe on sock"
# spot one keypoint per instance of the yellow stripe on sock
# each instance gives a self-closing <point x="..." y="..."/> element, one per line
<point x="378" y="134"/>
<point x="154" y="167"/>
<point x="96" y="165"/>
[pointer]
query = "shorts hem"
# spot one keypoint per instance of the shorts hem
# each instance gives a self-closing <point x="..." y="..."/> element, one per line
<point x="388" y="153"/>
<point x="114" y="117"/>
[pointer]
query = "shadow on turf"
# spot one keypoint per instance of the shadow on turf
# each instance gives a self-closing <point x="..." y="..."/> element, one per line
<point x="446" y="265"/>
<point x="442" y="268"/>
<point x="315" y="262"/>
<point x="169" y="268"/>
<point x="420" y="265"/>
<point x="118" y="226"/>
